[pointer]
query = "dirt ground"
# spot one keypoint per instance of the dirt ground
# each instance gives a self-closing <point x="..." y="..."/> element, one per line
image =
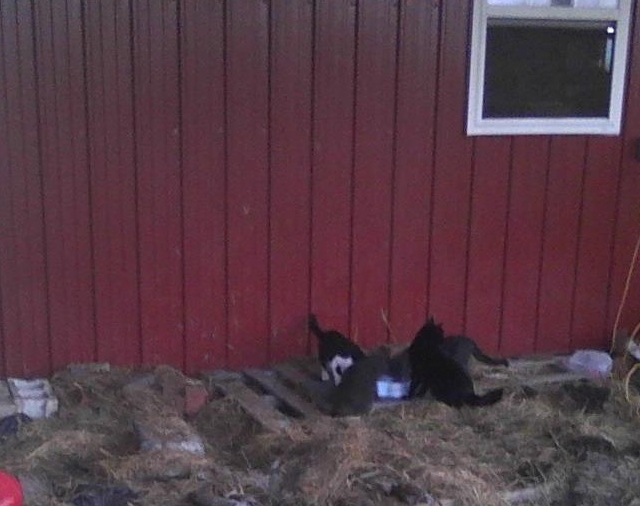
<point x="556" y="445"/>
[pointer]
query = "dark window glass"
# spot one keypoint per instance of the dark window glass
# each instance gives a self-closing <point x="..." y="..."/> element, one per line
<point x="543" y="69"/>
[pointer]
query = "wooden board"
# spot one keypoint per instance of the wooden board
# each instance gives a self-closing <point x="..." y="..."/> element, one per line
<point x="269" y="381"/>
<point x="112" y="153"/>
<point x="413" y="159"/>
<point x="293" y="391"/>
<point x="290" y="167"/>
<point x="527" y="181"/>
<point x="255" y="405"/>
<point x="159" y="182"/>
<point x="204" y="189"/>
<point x="332" y="157"/>
<point x="247" y="255"/>
<point x="452" y="177"/>
<point x="305" y="384"/>
<point x="559" y="248"/>
<point x="372" y="168"/>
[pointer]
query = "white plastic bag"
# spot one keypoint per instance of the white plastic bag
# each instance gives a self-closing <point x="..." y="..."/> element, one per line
<point x="592" y="362"/>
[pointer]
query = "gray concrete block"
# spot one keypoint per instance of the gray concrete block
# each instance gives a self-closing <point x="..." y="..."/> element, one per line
<point x="34" y="398"/>
<point x="171" y="433"/>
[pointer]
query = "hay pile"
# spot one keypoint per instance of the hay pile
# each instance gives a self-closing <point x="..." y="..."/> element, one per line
<point x="557" y="444"/>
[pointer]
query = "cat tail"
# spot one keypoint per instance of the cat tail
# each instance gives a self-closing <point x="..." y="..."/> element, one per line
<point x="486" y="359"/>
<point x="314" y="326"/>
<point x="491" y="397"/>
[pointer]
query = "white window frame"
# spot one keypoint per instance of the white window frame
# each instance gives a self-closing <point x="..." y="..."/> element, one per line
<point x="482" y="11"/>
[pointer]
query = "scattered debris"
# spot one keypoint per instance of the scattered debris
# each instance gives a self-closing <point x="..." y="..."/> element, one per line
<point x="205" y="496"/>
<point x="83" y="370"/>
<point x="556" y="443"/>
<point x="103" y="495"/>
<point x="34" y="398"/>
<point x="580" y="446"/>
<point x="594" y="363"/>
<point x="10" y="425"/>
<point x="7" y="406"/>
<point x="633" y="349"/>
<point x="587" y="395"/>
<point x="37" y="489"/>
<point x="255" y="405"/>
<point x="157" y="422"/>
<point x="167" y="433"/>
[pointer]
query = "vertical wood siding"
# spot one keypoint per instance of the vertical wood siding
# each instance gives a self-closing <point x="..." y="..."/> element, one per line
<point x="626" y="217"/>
<point x="204" y="183"/>
<point x="414" y="145"/>
<point x="26" y="328"/>
<point x="64" y="167"/>
<point x="332" y="162"/>
<point x="111" y="132"/>
<point x="182" y="181"/>
<point x="290" y="124"/>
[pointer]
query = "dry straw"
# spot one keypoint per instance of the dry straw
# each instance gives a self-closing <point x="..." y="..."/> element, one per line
<point x="635" y="400"/>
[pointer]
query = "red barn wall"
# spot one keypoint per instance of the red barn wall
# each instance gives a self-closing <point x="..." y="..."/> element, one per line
<point x="182" y="181"/>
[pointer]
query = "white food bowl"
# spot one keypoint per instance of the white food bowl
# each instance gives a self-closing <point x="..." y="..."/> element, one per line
<point x="388" y="388"/>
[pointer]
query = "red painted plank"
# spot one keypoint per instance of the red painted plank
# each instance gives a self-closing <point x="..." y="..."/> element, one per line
<point x="332" y="162"/>
<point x="560" y="240"/>
<point x="159" y="181"/>
<point x="113" y="184"/>
<point x="415" y="125"/>
<point x="452" y="176"/>
<point x="627" y="220"/>
<point x="22" y="264"/>
<point x="487" y="240"/>
<point x="524" y="242"/>
<point x="373" y="172"/>
<point x="290" y="162"/>
<point x="66" y="181"/>
<point x="627" y="231"/>
<point x="202" y="29"/>
<point x="247" y="121"/>
<point x="589" y="327"/>
<point x="6" y="208"/>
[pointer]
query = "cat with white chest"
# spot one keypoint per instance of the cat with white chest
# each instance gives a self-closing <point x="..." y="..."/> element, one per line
<point x="336" y="352"/>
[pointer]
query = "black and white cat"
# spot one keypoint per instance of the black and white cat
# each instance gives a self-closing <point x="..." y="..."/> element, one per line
<point x="434" y="371"/>
<point x="336" y="352"/>
<point x="357" y="391"/>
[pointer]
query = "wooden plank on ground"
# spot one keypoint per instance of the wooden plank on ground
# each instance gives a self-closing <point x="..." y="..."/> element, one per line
<point x="561" y="377"/>
<point x="212" y="377"/>
<point x="310" y="367"/>
<point x="311" y="388"/>
<point x="269" y="381"/>
<point x="256" y="406"/>
<point x="524" y="363"/>
<point x="297" y="378"/>
<point x="515" y="381"/>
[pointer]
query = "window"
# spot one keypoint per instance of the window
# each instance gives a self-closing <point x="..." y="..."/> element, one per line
<point x="547" y="66"/>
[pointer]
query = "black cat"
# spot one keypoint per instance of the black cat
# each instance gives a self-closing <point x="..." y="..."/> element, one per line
<point x="432" y="370"/>
<point x="461" y="348"/>
<point x="335" y="351"/>
<point x="358" y="390"/>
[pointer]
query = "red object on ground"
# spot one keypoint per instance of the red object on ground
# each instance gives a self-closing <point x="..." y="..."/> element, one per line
<point x="10" y="490"/>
